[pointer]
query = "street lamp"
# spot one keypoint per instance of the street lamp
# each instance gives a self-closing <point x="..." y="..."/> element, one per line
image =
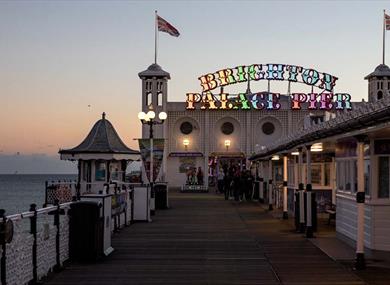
<point x="149" y="118"/>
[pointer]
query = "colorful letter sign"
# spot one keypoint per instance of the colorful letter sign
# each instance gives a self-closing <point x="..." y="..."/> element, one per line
<point x="324" y="100"/>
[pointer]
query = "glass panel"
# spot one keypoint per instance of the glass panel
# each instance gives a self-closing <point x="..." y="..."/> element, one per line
<point x="100" y="171"/>
<point x="367" y="171"/>
<point x="383" y="177"/>
<point x="354" y="175"/>
<point x="316" y="174"/>
<point x="327" y="174"/>
<point x="347" y="176"/>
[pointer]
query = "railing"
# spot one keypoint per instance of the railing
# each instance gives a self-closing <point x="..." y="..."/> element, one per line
<point x="40" y="241"/>
<point x="39" y="245"/>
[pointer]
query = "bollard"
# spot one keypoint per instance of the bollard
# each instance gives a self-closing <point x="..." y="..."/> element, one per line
<point x="3" y="247"/>
<point x="309" y="209"/>
<point x="33" y="231"/>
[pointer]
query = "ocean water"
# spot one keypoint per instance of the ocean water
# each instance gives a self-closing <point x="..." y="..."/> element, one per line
<point x="18" y="191"/>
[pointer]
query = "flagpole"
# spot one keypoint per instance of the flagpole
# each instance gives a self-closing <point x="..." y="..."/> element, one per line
<point x="383" y="55"/>
<point x="155" y="36"/>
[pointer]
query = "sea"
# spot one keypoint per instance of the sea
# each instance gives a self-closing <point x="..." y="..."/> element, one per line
<point x="18" y="191"/>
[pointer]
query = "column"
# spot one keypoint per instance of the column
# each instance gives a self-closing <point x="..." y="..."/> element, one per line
<point x="301" y="192"/>
<point x="270" y="192"/>
<point x="285" y="179"/>
<point x="360" y="200"/>
<point x="309" y="222"/>
<point x="261" y="184"/>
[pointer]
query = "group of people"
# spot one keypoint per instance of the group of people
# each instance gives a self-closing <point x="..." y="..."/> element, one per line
<point x="235" y="183"/>
<point x="195" y="177"/>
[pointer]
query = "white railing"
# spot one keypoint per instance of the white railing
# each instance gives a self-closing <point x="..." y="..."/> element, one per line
<point x="38" y="245"/>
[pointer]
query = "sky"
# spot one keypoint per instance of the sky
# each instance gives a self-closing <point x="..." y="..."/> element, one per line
<point x="63" y="63"/>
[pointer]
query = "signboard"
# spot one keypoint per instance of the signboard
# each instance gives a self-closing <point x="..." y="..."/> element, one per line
<point x="158" y="152"/>
<point x="324" y="100"/>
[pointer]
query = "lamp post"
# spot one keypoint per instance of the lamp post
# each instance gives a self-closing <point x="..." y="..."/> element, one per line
<point x="149" y="118"/>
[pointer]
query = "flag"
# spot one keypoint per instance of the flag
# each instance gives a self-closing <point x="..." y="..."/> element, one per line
<point x="387" y="22"/>
<point x="164" y="26"/>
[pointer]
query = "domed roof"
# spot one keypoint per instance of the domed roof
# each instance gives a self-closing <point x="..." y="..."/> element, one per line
<point x="381" y="70"/>
<point x="154" y="70"/>
<point x="102" y="138"/>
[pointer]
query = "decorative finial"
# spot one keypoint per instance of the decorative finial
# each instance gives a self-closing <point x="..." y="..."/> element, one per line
<point x="104" y="115"/>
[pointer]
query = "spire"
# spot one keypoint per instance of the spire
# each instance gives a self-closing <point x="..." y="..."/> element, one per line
<point x="248" y="89"/>
<point x="104" y="116"/>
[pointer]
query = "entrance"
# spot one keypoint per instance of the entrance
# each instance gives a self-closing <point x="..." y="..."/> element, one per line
<point x="224" y="160"/>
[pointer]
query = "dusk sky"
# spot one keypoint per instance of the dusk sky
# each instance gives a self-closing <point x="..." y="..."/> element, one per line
<point x="58" y="57"/>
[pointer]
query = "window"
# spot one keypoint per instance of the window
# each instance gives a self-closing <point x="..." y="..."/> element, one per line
<point x="316" y="174"/>
<point x="159" y="99"/>
<point x="380" y="95"/>
<point x="186" y="128"/>
<point x="227" y="128"/>
<point x="268" y="128"/>
<point x="383" y="177"/>
<point x="100" y="171"/>
<point x="148" y="99"/>
<point x="316" y="119"/>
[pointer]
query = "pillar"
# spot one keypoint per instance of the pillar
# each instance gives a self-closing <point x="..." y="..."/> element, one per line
<point x="301" y="192"/>
<point x="309" y="225"/>
<point x="270" y="192"/>
<point x="360" y="200"/>
<point x="261" y="184"/>
<point x="285" y="179"/>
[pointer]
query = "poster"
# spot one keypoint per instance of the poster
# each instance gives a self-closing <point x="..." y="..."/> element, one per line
<point x="186" y="163"/>
<point x="158" y="153"/>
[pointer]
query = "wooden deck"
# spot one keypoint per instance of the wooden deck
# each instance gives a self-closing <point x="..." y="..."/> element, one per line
<point x="204" y="239"/>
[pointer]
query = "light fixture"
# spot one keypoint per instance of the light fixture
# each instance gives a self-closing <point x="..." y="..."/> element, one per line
<point x="162" y="116"/>
<point x="141" y="116"/>
<point x="186" y="143"/>
<point x="275" y="157"/>
<point x="295" y="153"/>
<point x="317" y="147"/>
<point x="227" y="144"/>
<point x="151" y="114"/>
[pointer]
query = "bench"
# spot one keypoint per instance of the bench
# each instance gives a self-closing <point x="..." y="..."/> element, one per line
<point x="332" y="213"/>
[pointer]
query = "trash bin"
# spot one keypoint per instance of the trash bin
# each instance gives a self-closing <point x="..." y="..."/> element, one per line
<point x="161" y="195"/>
<point x="85" y="231"/>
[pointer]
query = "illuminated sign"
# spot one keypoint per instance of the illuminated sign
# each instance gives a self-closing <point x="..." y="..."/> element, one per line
<point x="270" y="71"/>
<point x="324" y="100"/>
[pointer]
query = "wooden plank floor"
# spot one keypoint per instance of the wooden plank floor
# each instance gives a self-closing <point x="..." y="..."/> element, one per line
<point x="204" y="239"/>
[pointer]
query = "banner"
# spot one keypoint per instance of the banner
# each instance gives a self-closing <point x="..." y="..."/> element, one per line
<point x="158" y="153"/>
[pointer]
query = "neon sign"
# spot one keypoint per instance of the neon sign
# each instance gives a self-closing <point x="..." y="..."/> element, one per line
<point x="324" y="100"/>
<point x="270" y="71"/>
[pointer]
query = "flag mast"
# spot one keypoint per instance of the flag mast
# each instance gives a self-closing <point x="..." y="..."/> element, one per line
<point x="384" y="30"/>
<point x="155" y="37"/>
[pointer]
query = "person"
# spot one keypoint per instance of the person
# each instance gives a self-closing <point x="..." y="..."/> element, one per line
<point x="199" y="176"/>
<point x="220" y="181"/>
<point x="226" y="182"/>
<point x="236" y="184"/>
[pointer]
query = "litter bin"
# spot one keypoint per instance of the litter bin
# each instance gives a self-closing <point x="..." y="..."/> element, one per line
<point x="161" y="195"/>
<point x="86" y="231"/>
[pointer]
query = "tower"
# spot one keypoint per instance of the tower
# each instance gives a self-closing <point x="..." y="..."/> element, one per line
<point x="154" y="95"/>
<point x="378" y="83"/>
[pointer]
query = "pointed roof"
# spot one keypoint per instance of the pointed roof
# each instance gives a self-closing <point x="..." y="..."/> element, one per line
<point x="154" y="70"/>
<point x="381" y="70"/>
<point x="102" y="138"/>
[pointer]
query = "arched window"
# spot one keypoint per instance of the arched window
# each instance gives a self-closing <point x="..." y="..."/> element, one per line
<point x="379" y="95"/>
<point x="159" y="99"/>
<point x="148" y="99"/>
